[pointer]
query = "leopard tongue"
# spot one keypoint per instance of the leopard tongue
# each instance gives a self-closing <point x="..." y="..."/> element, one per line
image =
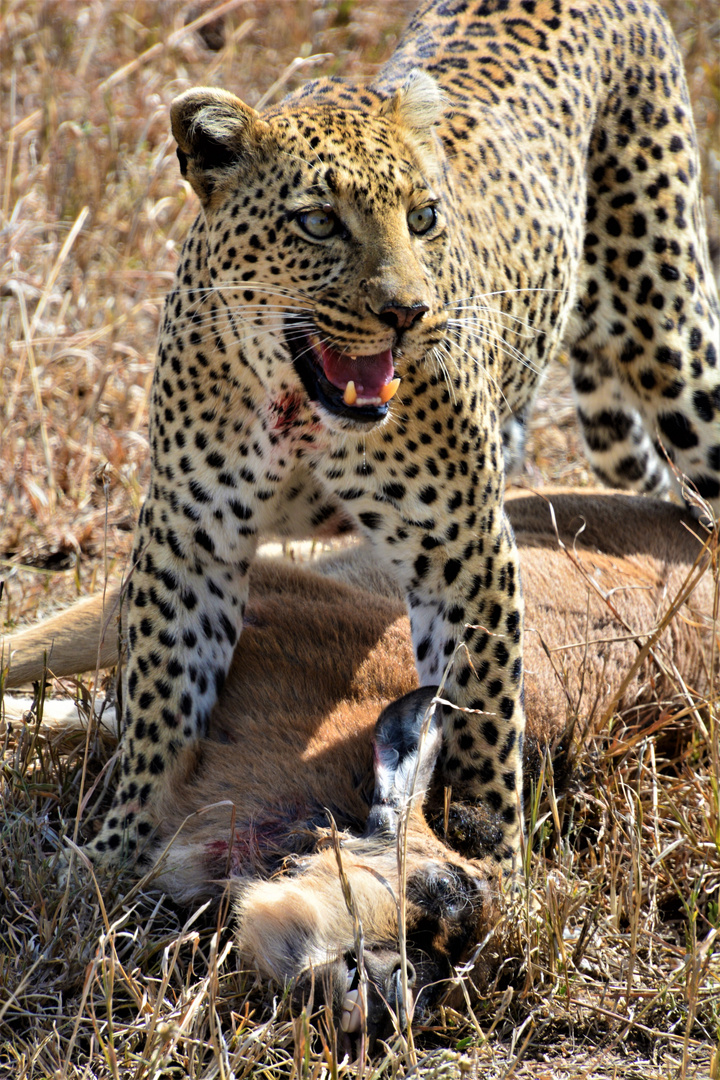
<point x="364" y="380"/>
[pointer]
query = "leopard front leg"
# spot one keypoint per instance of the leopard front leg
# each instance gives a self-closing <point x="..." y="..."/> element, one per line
<point x="466" y="618"/>
<point x="460" y="573"/>
<point x="183" y="615"/>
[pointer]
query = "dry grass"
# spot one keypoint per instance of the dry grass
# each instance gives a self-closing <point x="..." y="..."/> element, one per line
<point x="617" y="973"/>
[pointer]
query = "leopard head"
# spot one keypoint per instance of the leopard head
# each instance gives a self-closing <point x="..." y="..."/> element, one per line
<point x="327" y="237"/>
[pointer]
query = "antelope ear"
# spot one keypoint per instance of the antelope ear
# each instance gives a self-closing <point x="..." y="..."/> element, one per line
<point x="214" y="132"/>
<point x="407" y="742"/>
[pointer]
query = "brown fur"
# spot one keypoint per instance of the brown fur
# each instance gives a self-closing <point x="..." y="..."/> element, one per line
<point x="291" y="736"/>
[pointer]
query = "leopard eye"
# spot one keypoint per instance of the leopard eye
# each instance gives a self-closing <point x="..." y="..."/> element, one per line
<point x="319" y="223"/>
<point x="422" y="219"/>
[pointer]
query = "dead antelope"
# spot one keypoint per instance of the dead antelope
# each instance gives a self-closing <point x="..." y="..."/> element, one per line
<point x="294" y="742"/>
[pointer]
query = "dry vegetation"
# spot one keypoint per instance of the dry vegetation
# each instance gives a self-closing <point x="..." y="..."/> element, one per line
<point x="617" y="972"/>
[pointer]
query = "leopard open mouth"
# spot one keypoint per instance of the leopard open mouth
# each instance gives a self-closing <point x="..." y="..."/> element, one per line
<point x="356" y="387"/>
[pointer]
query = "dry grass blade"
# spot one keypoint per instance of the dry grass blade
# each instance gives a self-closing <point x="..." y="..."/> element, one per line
<point x="359" y="945"/>
<point x="153" y="53"/>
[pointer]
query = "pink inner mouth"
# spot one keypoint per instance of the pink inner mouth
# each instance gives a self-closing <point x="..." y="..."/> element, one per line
<point x="369" y="374"/>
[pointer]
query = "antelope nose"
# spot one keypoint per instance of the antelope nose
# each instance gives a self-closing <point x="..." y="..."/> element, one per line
<point x="401" y="317"/>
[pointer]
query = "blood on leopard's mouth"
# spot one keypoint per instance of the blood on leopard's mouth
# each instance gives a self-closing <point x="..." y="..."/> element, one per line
<point x="356" y="387"/>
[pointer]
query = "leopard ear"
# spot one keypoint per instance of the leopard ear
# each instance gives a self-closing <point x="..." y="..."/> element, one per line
<point x="418" y="104"/>
<point x="214" y="132"/>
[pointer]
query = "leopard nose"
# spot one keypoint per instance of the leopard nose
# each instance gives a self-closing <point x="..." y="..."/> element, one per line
<point x="401" y="317"/>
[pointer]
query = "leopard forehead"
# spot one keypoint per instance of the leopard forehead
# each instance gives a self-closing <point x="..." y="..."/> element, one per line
<point x="329" y="152"/>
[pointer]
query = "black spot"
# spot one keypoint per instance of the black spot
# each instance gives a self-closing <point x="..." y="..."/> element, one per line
<point x="512" y="625"/>
<point x="676" y="427"/>
<point x="157" y="765"/>
<point x="507" y="748"/>
<point x="669" y="273"/>
<point x="639" y="225"/>
<point x="204" y="541"/>
<point x="393" y="491"/>
<point x="631" y="468"/>
<point x="708" y="486"/>
<point x="644" y="327"/>
<point x="490" y="732"/>
<point x="229" y="629"/>
<point x="507" y="708"/>
<point x="370" y="520"/>
<point x="494" y="800"/>
<point x="451" y="570"/>
<point x="704" y="406"/>
<point x="630" y="351"/>
<point x="421" y="566"/>
<point x="583" y="384"/>
<point x="242" y="512"/>
<point x="670" y="357"/>
<point x="423" y="648"/>
<point x="169" y="718"/>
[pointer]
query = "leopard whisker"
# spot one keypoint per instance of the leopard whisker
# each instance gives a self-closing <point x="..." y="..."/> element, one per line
<point x="435" y="352"/>
<point x="479" y="320"/>
<point x="492" y="379"/>
<point x="505" y="346"/>
<point x="474" y="298"/>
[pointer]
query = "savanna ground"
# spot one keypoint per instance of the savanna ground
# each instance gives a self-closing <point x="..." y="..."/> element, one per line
<point x="617" y="972"/>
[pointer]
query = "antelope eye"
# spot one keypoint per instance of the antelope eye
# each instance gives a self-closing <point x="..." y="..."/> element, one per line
<point x="422" y="220"/>
<point x="319" y="223"/>
<point x="443" y="886"/>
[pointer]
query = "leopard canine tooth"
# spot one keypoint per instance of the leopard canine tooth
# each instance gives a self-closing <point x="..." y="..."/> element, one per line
<point x="389" y="391"/>
<point x="350" y="394"/>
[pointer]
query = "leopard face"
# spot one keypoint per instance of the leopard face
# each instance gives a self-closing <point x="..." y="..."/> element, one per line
<point x="336" y="279"/>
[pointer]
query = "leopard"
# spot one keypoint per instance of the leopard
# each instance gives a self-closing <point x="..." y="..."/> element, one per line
<point x="380" y="272"/>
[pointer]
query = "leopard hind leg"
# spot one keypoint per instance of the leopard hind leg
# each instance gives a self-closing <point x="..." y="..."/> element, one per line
<point x="644" y="337"/>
